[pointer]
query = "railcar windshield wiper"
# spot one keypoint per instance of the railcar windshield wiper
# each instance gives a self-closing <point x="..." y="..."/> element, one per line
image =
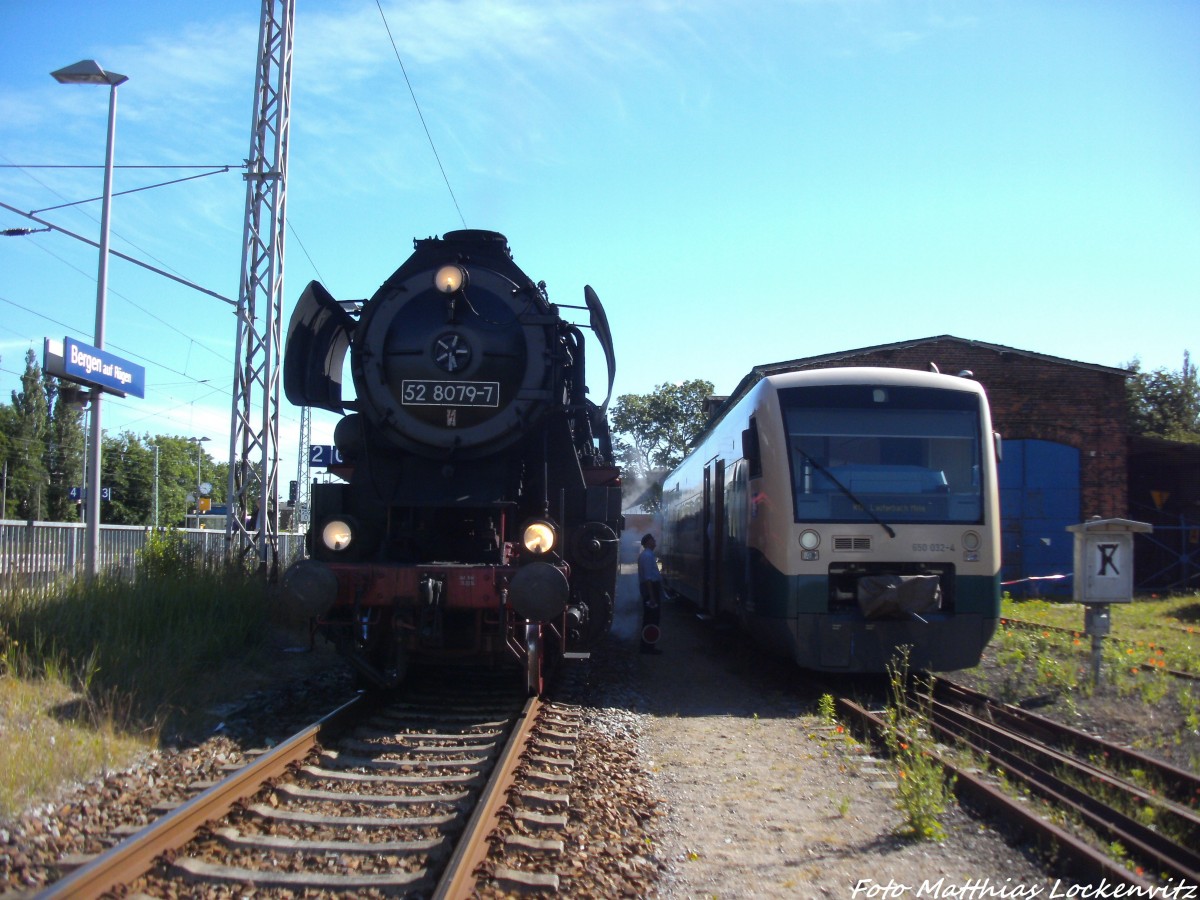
<point x="845" y="490"/>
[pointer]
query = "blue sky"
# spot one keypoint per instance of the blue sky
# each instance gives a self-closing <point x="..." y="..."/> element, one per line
<point x="741" y="183"/>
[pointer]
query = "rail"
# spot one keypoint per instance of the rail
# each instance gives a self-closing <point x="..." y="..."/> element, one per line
<point x="39" y="555"/>
<point x="130" y="859"/>
<point x="432" y="771"/>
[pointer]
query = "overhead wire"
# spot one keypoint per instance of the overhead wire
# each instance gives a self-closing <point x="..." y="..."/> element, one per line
<point x="126" y="350"/>
<point x="30" y="215"/>
<point x="420" y="114"/>
<point x="114" y="293"/>
<point x="304" y="249"/>
<point x="221" y="170"/>
<point x="137" y="190"/>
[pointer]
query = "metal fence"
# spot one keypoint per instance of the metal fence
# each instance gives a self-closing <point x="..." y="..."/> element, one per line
<point x="37" y="555"/>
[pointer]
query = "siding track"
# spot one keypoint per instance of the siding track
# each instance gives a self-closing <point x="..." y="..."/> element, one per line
<point x="1108" y="794"/>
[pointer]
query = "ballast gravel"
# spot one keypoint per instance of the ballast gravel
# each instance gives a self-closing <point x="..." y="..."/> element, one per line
<point x="703" y="772"/>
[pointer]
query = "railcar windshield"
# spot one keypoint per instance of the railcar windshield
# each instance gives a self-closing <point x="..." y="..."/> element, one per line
<point x="867" y="453"/>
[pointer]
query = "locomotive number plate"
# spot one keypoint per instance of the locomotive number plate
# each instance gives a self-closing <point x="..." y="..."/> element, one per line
<point x="450" y="393"/>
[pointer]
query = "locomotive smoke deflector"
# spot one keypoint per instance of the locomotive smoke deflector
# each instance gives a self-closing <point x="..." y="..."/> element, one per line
<point x="599" y="322"/>
<point x="317" y="340"/>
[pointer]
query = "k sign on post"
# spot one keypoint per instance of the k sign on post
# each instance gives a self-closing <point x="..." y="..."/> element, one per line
<point x="1104" y="559"/>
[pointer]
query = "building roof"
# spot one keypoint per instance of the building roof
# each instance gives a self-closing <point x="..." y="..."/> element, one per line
<point x="772" y="368"/>
<point x="762" y="371"/>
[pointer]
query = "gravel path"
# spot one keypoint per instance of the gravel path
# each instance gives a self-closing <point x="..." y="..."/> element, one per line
<point x="760" y="798"/>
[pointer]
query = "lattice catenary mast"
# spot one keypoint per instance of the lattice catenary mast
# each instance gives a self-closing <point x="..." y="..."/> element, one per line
<point x="253" y="523"/>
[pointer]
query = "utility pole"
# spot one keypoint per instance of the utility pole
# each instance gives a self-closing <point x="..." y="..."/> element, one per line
<point x="253" y="521"/>
<point x="303" y="469"/>
<point x="156" y="484"/>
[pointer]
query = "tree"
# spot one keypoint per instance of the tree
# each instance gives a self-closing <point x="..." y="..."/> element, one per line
<point x="64" y="451"/>
<point x="127" y="468"/>
<point x="29" y="425"/>
<point x="8" y="425"/>
<point x="134" y="474"/>
<point x="653" y="431"/>
<point x="1163" y="403"/>
<point x="41" y="448"/>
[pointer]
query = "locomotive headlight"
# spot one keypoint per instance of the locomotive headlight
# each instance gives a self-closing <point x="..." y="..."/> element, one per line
<point x="450" y="279"/>
<point x="337" y="534"/>
<point x="810" y="540"/>
<point x="538" y="537"/>
<point x="970" y="540"/>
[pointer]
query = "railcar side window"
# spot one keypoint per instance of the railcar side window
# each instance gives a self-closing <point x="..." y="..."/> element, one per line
<point x="905" y="454"/>
<point x="750" y="449"/>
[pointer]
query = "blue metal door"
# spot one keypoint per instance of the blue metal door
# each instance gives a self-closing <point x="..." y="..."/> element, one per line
<point x="1039" y="498"/>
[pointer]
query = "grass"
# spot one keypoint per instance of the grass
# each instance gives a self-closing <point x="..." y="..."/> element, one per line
<point x="93" y="673"/>
<point x="1161" y="631"/>
<point x="1049" y="666"/>
<point x="1148" y="637"/>
<point x="42" y="749"/>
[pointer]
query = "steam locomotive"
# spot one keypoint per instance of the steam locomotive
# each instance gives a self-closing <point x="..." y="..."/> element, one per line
<point x="478" y="515"/>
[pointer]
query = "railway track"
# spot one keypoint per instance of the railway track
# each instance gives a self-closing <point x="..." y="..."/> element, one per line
<point x="398" y="798"/>
<point x="1113" y="796"/>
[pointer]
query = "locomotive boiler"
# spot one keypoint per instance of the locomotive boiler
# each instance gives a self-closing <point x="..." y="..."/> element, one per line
<point x="477" y="516"/>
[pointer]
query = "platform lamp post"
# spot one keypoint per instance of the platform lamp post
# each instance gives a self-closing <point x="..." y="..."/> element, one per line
<point x="199" y="456"/>
<point x="199" y="442"/>
<point x="88" y="71"/>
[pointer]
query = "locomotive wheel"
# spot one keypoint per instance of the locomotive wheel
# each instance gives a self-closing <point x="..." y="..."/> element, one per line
<point x="534" y="651"/>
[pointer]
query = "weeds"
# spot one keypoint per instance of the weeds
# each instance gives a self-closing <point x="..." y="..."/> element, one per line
<point x="826" y="710"/>
<point x="923" y="787"/>
<point x="146" y="642"/>
<point x="113" y="659"/>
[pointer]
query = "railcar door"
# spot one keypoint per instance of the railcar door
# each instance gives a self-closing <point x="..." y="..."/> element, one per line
<point x="714" y="533"/>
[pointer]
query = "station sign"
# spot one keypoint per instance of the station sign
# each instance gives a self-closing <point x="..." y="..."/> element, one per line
<point x="76" y="361"/>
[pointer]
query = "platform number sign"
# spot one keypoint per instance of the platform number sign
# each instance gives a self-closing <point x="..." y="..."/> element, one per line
<point x="324" y="455"/>
<point x="79" y="494"/>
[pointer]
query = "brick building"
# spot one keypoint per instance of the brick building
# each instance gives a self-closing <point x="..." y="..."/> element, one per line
<point x="1065" y="438"/>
